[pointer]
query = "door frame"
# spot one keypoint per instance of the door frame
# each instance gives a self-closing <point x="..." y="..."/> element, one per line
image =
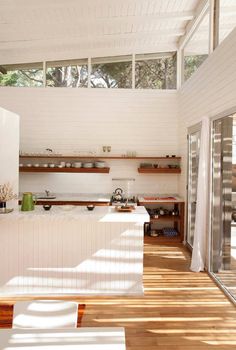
<point x="223" y="114"/>
<point x="190" y="130"/>
<point x="220" y="115"/>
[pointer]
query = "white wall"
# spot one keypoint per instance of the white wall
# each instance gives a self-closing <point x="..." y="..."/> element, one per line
<point x="210" y="91"/>
<point x="9" y="150"/>
<point x="72" y="120"/>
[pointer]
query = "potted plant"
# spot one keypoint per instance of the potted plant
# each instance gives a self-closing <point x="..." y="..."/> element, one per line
<point x="6" y="194"/>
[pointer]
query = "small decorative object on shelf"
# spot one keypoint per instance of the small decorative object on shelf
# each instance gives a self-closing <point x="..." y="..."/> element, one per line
<point x="6" y="194"/>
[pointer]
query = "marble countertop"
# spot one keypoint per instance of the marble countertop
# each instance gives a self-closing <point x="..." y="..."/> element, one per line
<point x="74" y="197"/>
<point x="160" y="198"/>
<point x="70" y="212"/>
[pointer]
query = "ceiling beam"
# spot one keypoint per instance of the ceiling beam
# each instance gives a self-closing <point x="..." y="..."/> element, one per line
<point x="192" y="25"/>
<point x="215" y="25"/>
<point x="62" y="52"/>
<point x="150" y="35"/>
<point x="135" y="19"/>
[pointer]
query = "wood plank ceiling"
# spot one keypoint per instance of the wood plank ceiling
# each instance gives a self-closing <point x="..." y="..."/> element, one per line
<point x="61" y="29"/>
<point x="92" y="27"/>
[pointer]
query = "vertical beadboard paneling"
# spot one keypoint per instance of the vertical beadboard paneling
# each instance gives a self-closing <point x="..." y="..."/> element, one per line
<point x="210" y="91"/>
<point x="59" y="254"/>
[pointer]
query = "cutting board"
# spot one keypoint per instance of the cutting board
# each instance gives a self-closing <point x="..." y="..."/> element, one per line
<point x="125" y="209"/>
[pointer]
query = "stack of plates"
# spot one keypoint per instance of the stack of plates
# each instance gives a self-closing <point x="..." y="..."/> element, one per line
<point x="99" y="164"/>
<point x="146" y="165"/>
<point x="77" y="165"/>
<point x="88" y="165"/>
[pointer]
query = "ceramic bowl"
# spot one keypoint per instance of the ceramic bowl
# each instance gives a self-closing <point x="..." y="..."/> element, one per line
<point x="90" y="207"/>
<point x="88" y="165"/>
<point x="99" y="164"/>
<point x="47" y="207"/>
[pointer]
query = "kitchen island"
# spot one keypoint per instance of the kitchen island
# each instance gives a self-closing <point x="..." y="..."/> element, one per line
<point x="70" y="250"/>
<point x="72" y="198"/>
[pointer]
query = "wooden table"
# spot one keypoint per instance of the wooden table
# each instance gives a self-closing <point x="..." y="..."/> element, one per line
<point x="93" y="338"/>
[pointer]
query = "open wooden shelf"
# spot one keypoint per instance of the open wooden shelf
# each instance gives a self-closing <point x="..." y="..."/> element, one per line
<point x="63" y="170"/>
<point x="175" y="221"/>
<point x="163" y="239"/>
<point x="159" y="170"/>
<point x="166" y="218"/>
<point x="95" y="157"/>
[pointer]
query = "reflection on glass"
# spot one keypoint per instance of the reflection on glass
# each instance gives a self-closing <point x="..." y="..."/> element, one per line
<point x="223" y="247"/>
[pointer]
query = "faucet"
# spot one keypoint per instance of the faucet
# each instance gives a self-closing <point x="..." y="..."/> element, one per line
<point x="47" y="193"/>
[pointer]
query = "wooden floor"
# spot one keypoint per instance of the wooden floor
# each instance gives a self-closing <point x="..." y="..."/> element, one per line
<point x="180" y="310"/>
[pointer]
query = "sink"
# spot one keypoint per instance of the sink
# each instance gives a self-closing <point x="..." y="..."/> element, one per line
<point x="46" y="197"/>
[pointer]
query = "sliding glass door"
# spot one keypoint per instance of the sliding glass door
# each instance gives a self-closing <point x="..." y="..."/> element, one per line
<point x="223" y="233"/>
<point x="193" y="162"/>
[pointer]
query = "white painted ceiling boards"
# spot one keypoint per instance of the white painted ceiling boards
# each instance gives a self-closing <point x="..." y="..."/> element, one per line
<point x="91" y="27"/>
<point x="33" y="30"/>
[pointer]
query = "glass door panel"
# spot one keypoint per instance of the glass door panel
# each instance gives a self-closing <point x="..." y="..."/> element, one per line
<point x="223" y="233"/>
<point x="193" y="161"/>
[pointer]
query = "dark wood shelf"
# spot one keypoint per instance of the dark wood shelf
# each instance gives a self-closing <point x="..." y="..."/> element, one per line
<point x="159" y="170"/>
<point x="63" y="170"/>
<point x="163" y="239"/>
<point x="95" y="157"/>
<point x="176" y="221"/>
<point x="166" y="218"/>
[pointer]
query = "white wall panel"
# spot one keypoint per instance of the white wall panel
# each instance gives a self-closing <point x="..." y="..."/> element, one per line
<point x="72" y="120"/>
<point x="210" y="91"/>
<point x="9" y="150"/>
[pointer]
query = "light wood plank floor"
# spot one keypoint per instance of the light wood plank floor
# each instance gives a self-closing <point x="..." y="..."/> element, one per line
<point x="180" y="310"/>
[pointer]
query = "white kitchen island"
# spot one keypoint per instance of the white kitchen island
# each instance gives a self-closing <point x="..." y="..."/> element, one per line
<point x="72" y="251"/>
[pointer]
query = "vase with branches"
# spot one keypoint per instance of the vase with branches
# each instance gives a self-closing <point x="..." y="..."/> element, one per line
<point x="6" y="194"/>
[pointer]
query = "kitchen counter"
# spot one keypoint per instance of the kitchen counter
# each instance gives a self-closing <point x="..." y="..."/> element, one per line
<point x="73" y="251"/>
<point x="73" y="198"/>
<point x="153" y="199"/>
<point x="98" y="214"/>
